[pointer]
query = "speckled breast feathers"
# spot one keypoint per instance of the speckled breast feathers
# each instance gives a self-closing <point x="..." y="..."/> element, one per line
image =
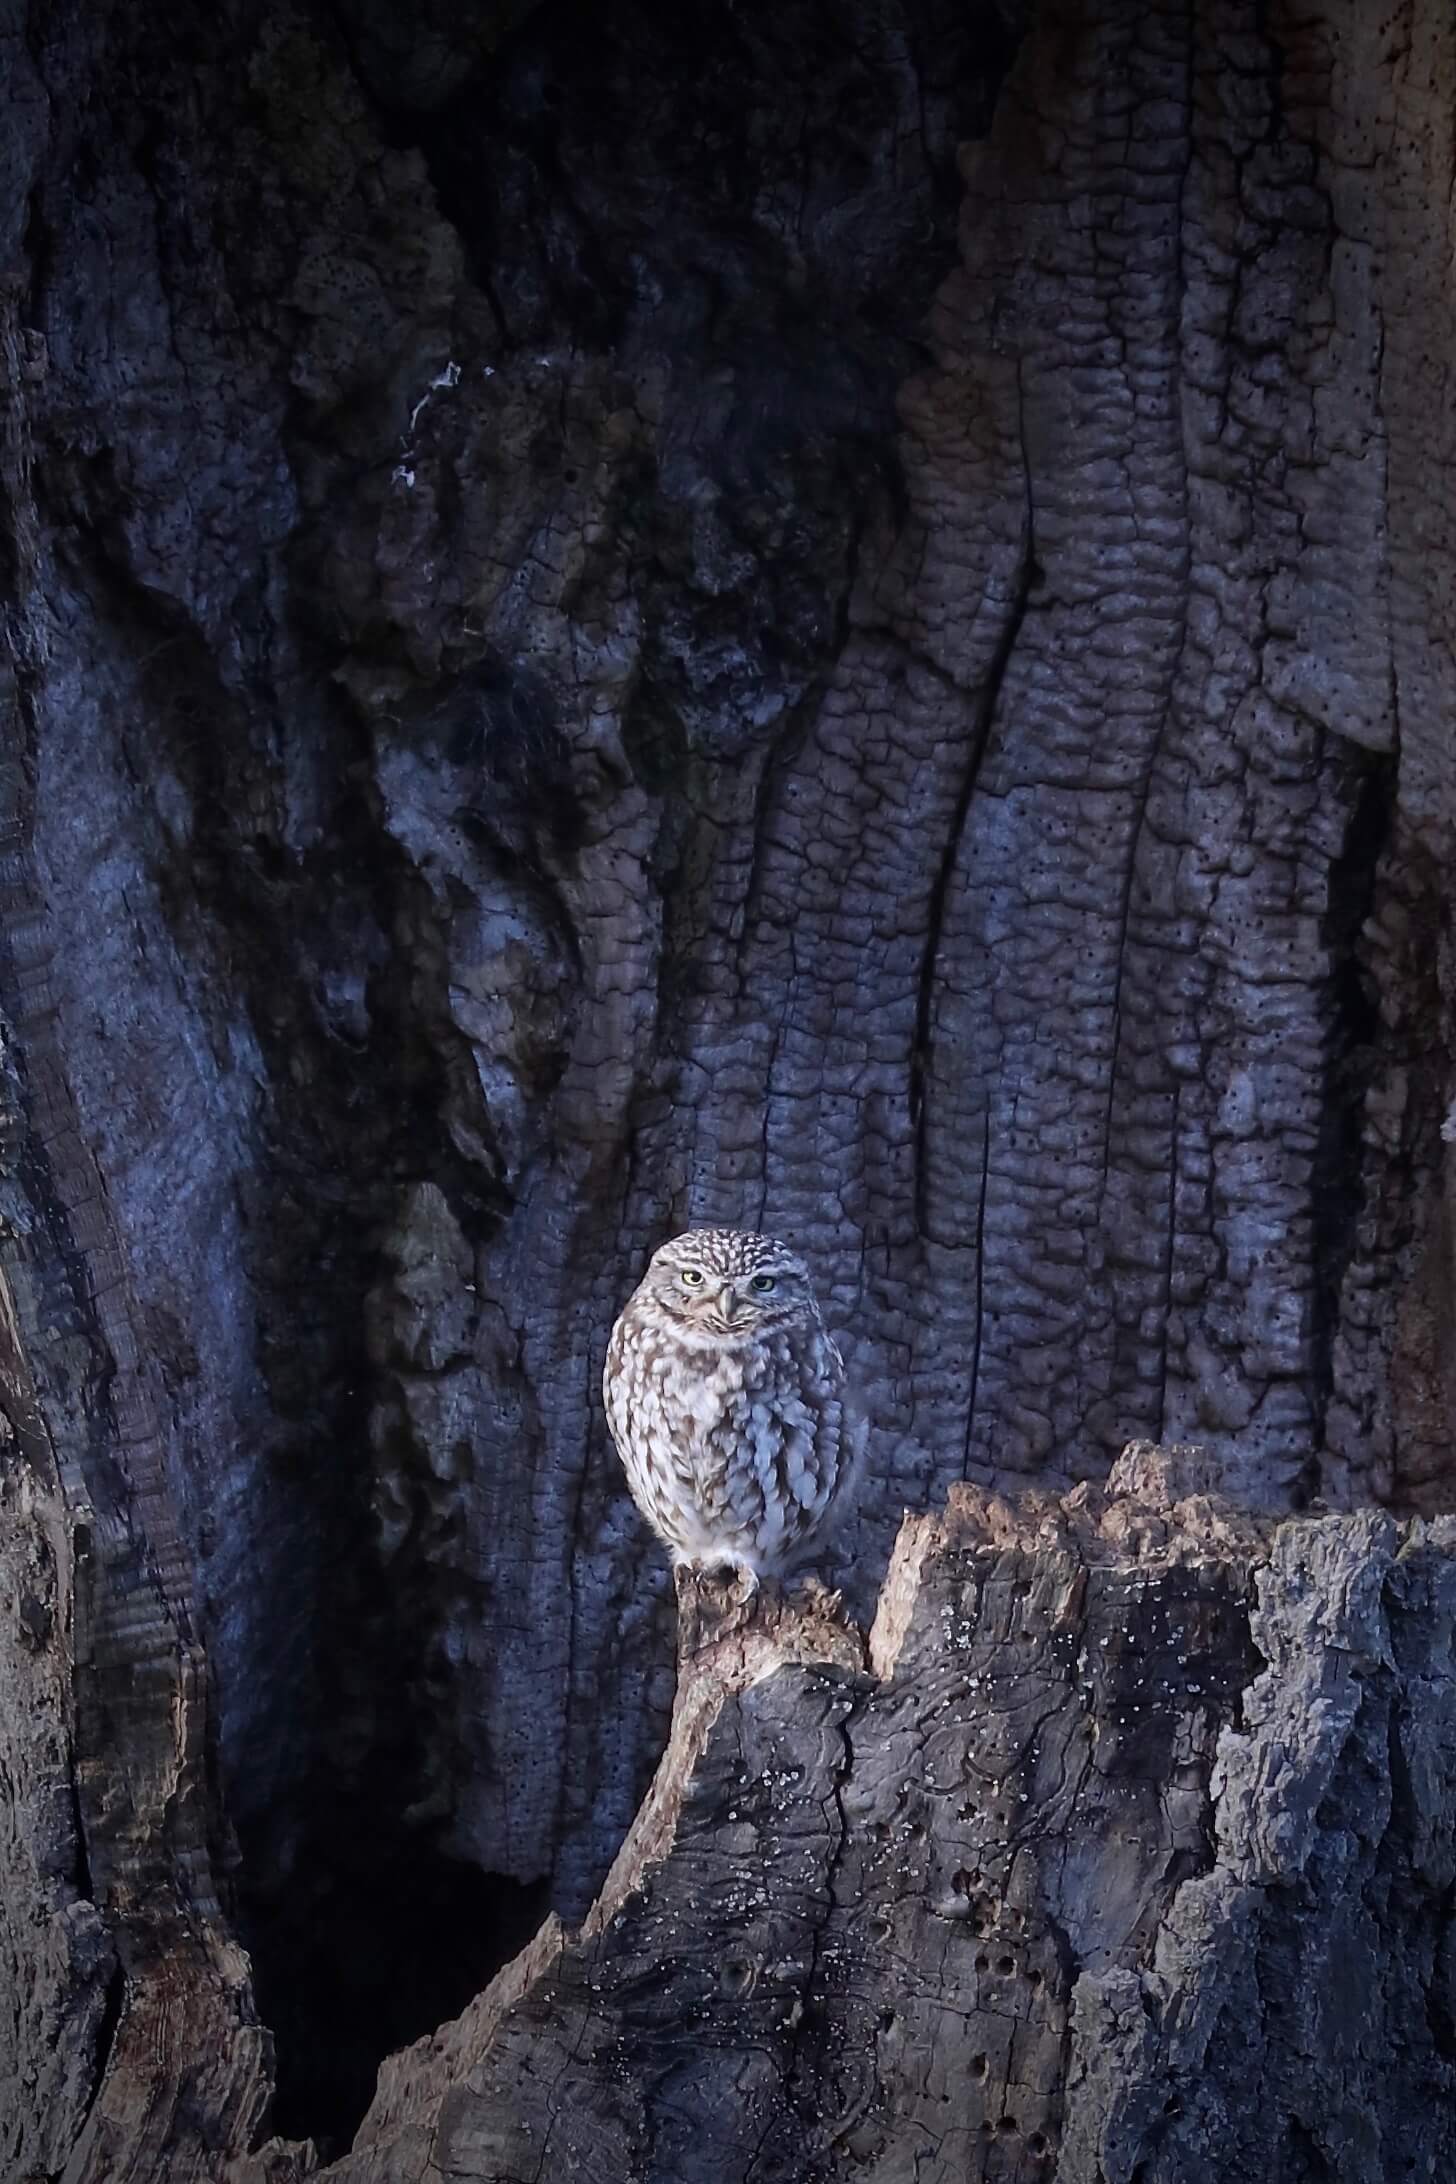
<point x="725" y="1398"/>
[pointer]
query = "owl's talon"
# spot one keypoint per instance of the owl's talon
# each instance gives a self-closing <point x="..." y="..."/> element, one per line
<point x="734" y="1577"/>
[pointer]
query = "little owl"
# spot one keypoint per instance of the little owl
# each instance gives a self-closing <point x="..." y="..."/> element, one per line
<point x="725" y="1399"/>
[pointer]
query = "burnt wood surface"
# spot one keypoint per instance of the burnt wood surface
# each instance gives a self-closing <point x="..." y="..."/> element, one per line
<point x="1127" y="1854"/>
<point x="834" y="618"/>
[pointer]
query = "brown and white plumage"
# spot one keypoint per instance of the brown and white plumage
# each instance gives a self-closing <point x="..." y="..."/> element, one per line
<point x="725" y="1398"/>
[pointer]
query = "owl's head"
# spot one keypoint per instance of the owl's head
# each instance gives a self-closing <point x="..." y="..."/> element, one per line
<point x="729" y="1281"/>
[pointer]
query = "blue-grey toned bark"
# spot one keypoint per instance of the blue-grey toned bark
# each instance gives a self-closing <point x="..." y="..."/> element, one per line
<point x="827" y="618"/>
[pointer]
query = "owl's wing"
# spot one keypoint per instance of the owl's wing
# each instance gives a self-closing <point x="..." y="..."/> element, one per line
<point x="614" y="1383"/>
<point x="793" y="1443"/>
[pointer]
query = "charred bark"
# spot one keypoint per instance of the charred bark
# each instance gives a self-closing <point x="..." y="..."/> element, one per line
<point x="828" y="617"/>
<point x="1127" y="1855"/>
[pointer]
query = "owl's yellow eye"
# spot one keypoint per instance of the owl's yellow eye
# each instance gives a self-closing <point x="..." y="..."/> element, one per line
<point x="692" y="1277"/>
<point x="763" y="1283"/>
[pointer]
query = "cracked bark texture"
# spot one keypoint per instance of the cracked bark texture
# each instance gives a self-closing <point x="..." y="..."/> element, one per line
<point x="834" y="618"/>
<point x="1129" y="1856"/>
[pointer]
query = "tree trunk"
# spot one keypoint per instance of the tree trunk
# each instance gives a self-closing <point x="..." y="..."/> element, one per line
<point x="1130" y="1857"/>
<point x="835" y="619"/>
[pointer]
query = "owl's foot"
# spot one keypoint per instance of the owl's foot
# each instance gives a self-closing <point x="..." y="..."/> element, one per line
<point x="728" y="1572"/>
<point x="729" y="1585"/>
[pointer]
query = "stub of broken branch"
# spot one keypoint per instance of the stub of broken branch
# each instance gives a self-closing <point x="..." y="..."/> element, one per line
<point x="729" y="1639"/>
<point x="1128" y="1853"/>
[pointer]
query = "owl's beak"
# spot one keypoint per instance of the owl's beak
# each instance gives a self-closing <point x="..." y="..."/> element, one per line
<point x="728" y="1305"/>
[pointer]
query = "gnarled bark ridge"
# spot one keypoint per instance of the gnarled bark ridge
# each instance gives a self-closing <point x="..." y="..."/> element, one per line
<point x="1129" y="1854"/>
<point x="830" y="618"/>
